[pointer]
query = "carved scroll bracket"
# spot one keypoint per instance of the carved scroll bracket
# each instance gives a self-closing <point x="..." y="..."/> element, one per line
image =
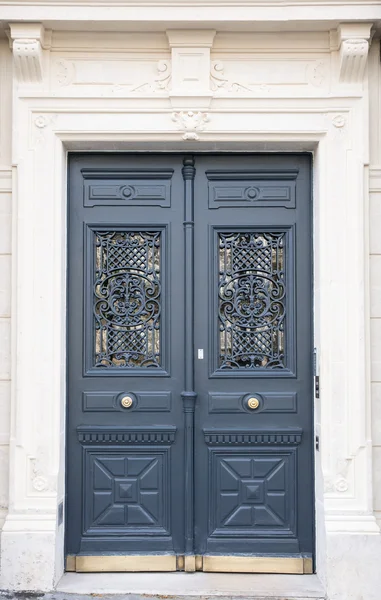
<point x="352" y="42"/>
<point x="30" y="43"/>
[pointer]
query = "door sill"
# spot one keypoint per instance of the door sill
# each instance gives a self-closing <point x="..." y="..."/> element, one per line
<point x="208" y="563"/>
<point x="135" y="586"/>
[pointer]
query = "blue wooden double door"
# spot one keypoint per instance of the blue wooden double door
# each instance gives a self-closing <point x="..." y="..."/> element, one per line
<point x="190" y="384"/>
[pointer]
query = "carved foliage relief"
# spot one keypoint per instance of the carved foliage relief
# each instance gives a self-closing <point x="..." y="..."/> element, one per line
<point x="264" y="75"/>
<point x="260" y="75"/>
<point x="128" y="76"/>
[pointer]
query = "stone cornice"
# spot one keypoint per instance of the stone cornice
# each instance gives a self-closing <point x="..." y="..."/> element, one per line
<point x="257" y="3"/>
<point x="29" y="41"/>
<point x="188" y="38"/>
<point x="115" y="12"/>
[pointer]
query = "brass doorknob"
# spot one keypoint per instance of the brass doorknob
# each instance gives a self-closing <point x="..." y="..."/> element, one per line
<point x="126" y="401"/>
<point x="253" y="403"/>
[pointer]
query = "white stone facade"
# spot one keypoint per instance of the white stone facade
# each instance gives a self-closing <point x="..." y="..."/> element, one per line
<point x="248" y="75"/>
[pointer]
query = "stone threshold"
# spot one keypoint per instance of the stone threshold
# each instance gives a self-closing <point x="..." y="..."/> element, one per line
<point x="184" y="586"/>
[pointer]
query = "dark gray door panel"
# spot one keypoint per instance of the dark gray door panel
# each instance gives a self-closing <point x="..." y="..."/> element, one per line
<point x="125" y="465"/>
<point x="190" y="429"/>
<point x="253" y="321"/>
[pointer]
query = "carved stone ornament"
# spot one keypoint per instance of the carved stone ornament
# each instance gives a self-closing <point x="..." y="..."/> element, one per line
<point x="316" y="75"/>
<point x="40" y="122"/>
<point x="29" y="42"/>
<point x="339" y="121"/>
<point x="341" y="485"/>
<point x="353" y="57"/>
<point x="40" y="483"/>
<point x="65" y="75"/>
<point x="190" y="122"/>
<point x="40" y="479"/>
<point x="64" y="71"/>
<point x="219" y="81"/>
<point x="28" y="60"/>
<point x="352" y="41"/>
<point x="161" y="82"/>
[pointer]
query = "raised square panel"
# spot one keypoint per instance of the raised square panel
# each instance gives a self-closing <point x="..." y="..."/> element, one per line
<point x="127" y="187"/>
<point x="190" y="70"/>
<point x="126" y="489"/>
<point x="252" y="188"/>
<point x="252" y="492"/>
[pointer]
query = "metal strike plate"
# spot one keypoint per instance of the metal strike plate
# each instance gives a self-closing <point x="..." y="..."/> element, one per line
<point x="253" y="403"/>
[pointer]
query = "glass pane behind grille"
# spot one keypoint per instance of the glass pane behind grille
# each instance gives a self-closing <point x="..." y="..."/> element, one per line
<point x="251" y="300"/>
<point x="127" y="299"/>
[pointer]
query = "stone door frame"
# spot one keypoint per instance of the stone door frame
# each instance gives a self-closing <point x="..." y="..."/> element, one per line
<point x="46" y="126"/>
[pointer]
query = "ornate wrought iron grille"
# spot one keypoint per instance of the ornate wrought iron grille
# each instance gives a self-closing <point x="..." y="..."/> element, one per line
<point x="251" y="300"/>
<point x="127" y="299"/>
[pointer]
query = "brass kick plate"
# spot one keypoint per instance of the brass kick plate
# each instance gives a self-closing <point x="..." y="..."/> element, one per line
<point x="256" y="564"/>
<point x="125" y="564"/>
<point x="207" y="563"/>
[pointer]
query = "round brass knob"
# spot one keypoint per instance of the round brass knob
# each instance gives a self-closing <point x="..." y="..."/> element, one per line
<point x="253" y="403"/>
<point x="126" y="401"/>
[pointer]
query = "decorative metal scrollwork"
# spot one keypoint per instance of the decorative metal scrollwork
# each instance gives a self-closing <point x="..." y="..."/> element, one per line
<point x="251" y="300"/>
<point x="127" y="299"/>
